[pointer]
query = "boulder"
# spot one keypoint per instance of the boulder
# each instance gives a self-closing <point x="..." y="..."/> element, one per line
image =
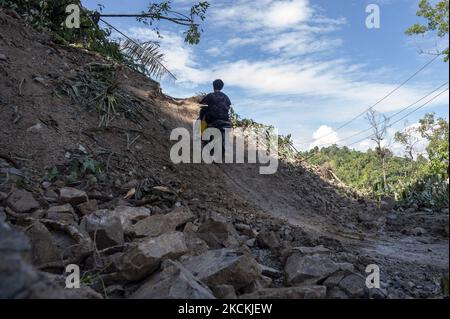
<point x="159" y="224"/>
<point x="69" y="195"/>
<point x="104" y="228"/>
<point x="261" y="282"/>
<point x="309" y="268"/>
<point x="16" y="274"/>
<point x="354" y="286"/>
<point x="196" y="246"/>
<point x="88" y="207"/>
<point x="224" y="267"/>
<point x="307" y="292"/>
<point x="173" y="282"/>
<point x="336" y="293"/>
<point x="246" y="230"/>
<point x="218" y="234"/>
<point x="63" y="213"/>
<point x="49" y="286"/>
<point x="181" y="216"/>
<point x="21" y="201"/>
<point x="44" y="249"/>
<point x="153" y="226"/>
<point x="143" y="258"/>
<point x="224" y="292"/>
<point x="61" y="217"/>
<point x="334" y="279"/>
<point x="268" y="239"/>
<point x="130" y="216"/>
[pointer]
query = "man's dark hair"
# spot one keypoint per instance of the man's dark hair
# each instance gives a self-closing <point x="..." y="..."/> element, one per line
<point x="218" y="85"/>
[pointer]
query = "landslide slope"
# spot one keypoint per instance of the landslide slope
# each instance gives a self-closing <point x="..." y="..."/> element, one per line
<point x="48" y="120"/>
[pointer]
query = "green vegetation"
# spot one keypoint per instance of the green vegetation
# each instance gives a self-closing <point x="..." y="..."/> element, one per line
<point x="413" y="179"/>
<point x="437" y="21"/>
<point x="286" y="151"/>
<point x="51" y="15"/>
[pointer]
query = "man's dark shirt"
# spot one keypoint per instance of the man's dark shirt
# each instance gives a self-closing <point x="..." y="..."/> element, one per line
<point x="218" y="107"/>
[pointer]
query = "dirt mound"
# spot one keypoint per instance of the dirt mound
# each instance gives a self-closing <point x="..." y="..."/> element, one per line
<point x="109" y="199"/>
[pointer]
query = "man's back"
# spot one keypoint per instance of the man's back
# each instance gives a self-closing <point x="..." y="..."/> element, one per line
<point x="218" y="107"/>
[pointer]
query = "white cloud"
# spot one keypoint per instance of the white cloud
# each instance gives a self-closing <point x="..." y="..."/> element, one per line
<point x="179" y="57"/>
<point x="250" y="15"/>
<point x="324" y="136"/>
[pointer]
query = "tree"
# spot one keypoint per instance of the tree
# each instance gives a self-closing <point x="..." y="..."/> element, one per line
<point x="437" y="21"/>
<point x="409" y="139"/>
<point x="379" y="124"/>
<point x="145" y="57"/>
<point x="436" y="131"/>
<point x="163" y="11"/>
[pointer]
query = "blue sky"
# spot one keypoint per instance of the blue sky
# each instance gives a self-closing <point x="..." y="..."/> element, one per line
<point x="304" y="66"/>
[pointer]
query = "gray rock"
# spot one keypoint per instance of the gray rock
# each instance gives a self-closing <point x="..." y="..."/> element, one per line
<point x="64" y="213"/>
<point x="159" y="224"/>
<point x="173" y="282"/>
<point x="224" y="267"/>
<point x="270" y="272"/>
<point x="218" y="234"/>
<point x="246" y="230"/>
<point x="61" y="217"/>
<point x="261" y="282"/>
<point x="3" y="57"/>
<point x="49" y="286"/>
<point x="318" y="250"/>
<point x="354" y="286"/>
<point x="196" y="246"/>
<point x="130" y="216"/>
<point x="2" y="215"/>
<point x="143" y="258"/>
<point x="104" y="228"/>
<point x="309" y="268"/>
<point x="14" y="241"/>
<point x="64" y="209"/>
<point x="21" y="201"/>
<point x="44" y="250"/>
<point x="88" y="207"/>
<point x="16" y="274"/>
<point x="336" y="293"/>
<point x="334" y="279"/>
<point x="72" y="196"/>
<point x="224" y="292"/>
<point x="308" y="292"/>
<point x="153" y="226"/>
<point x="251" y="242"/>
<point x="268" y="239"/>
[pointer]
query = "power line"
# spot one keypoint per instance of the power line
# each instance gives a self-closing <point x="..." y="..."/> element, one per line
<point x="387" y="119"/>
<point x="378" y="102"/>
<point x="402" y="118"/>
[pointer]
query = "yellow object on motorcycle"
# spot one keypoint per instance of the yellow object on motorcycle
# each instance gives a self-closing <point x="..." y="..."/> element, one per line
<point x="204" y="125"/>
